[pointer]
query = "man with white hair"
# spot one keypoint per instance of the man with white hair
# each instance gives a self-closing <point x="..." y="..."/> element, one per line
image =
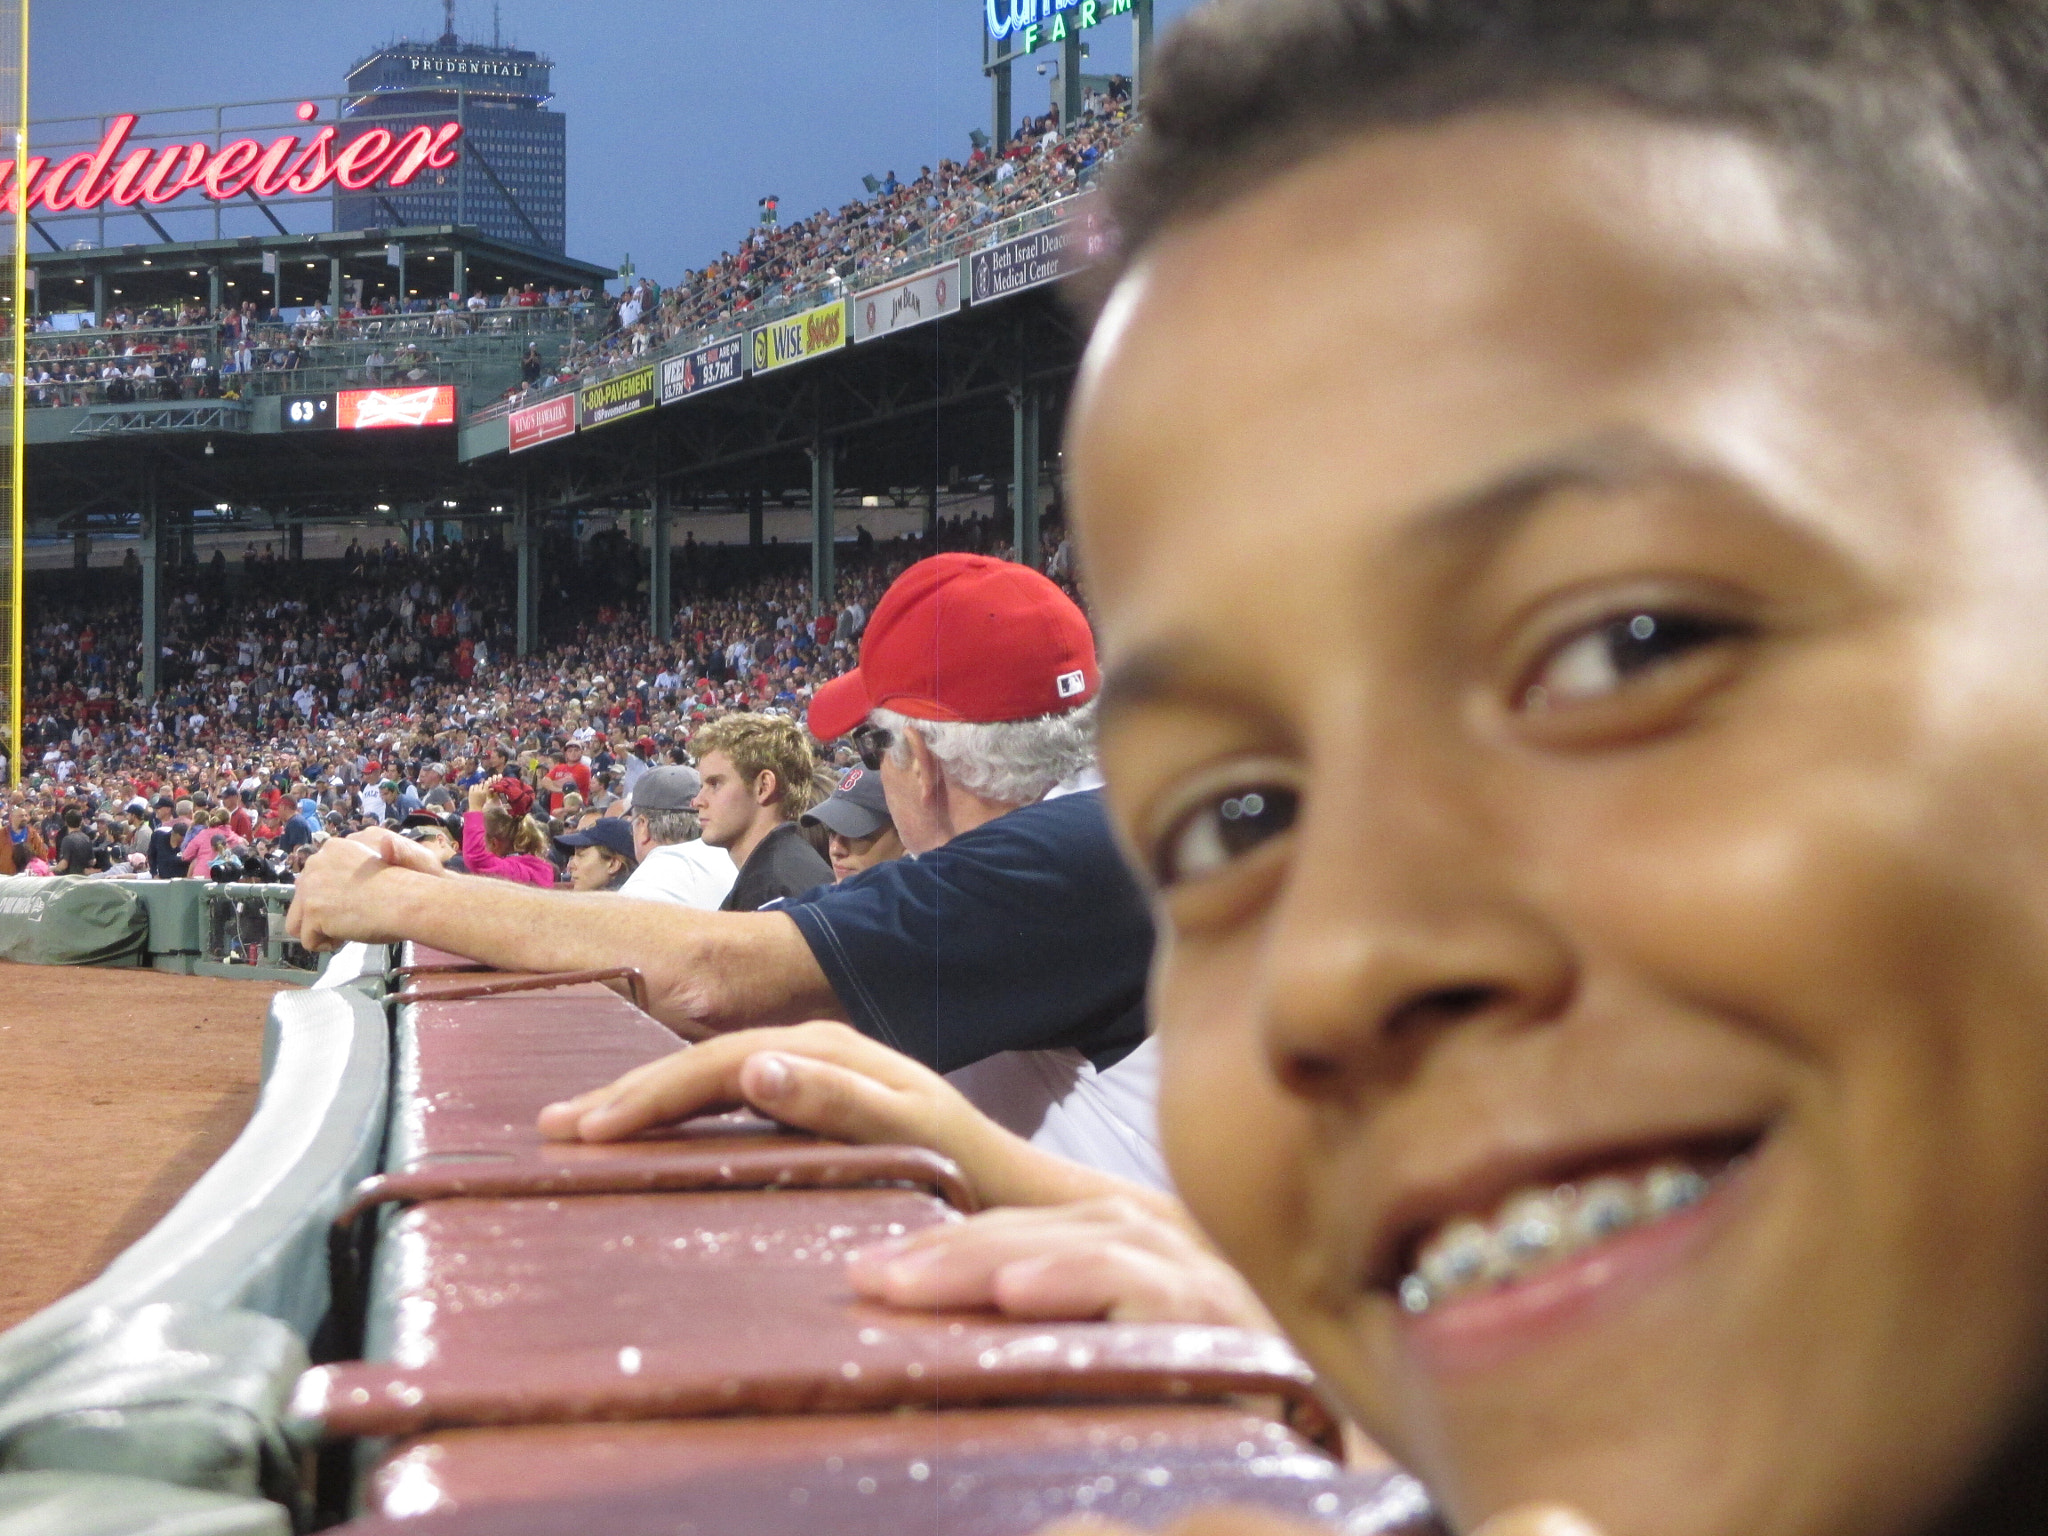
<point x="675" y="863"/>
<point x="1011" y="949"/>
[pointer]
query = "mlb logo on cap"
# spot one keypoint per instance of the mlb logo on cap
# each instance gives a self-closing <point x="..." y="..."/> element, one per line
<point x="1071" y="683"/>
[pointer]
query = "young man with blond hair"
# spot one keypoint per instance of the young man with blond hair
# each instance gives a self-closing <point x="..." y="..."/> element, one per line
<point x="758" y="772"/>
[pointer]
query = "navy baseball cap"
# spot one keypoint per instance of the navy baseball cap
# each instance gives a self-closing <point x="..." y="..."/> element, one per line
<point x="856" y="808"/>
<point x="613" y="833"/>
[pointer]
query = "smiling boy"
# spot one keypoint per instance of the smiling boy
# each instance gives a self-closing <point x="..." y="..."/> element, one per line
<point x="1576" y="686"/>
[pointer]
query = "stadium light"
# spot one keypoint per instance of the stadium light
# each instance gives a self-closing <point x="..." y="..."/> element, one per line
<point x="382" y="506"/>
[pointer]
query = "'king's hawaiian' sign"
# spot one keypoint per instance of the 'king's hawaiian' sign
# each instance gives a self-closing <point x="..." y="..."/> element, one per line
<point x="92" y="179"/>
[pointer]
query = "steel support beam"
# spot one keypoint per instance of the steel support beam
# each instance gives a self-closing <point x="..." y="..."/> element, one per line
<point x="1141" y="49"/>
<point x="526" y="550"/>
<point x="661" y="608"/>
<point x="754" y="518"/>
<point x="1070" y="81"/>
<point x="152" y="586"/>
<point x="295" y="543"/>
<point x="824" y="582"/>
<point x="931" y="515"/>
<point x="1003" y="108"/>
<point x="1024" y="461"/>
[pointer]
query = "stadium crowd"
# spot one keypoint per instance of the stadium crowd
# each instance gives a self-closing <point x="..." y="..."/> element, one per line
<point x="186" y="351"/>
<point x="819" y="257"/>
<point x="361" y="687"/>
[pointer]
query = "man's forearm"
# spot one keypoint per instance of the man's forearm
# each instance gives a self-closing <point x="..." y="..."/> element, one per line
<point x="725" y="970"/>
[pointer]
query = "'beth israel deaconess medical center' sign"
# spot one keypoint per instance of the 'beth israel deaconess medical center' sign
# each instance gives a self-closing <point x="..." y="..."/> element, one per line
<point x="113" y="176"/>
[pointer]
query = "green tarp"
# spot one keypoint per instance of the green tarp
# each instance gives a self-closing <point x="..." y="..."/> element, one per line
<point x="70" y="920"/>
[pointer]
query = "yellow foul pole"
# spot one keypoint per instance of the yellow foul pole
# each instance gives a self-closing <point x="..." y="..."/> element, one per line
<point x="17" y="619"/>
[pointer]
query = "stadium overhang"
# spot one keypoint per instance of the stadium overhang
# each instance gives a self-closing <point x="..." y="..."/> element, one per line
<point x="435" y="259"/>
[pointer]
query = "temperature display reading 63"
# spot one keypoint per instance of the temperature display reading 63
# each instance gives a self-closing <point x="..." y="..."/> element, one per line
<point x="303" y="411"/>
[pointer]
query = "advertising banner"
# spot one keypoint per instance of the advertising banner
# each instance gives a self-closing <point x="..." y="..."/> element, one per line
<point x="911" y="301"/>
<point x="532" y="425"/>
<point x="616" y="398"/>
<point x="1043" y="256"/>
<point x="423" y="405"/>
<point x="800" y="336"/>
<point x="705" y="368"/>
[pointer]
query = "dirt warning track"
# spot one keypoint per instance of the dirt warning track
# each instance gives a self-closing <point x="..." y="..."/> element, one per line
<point x="118" y="1089"/>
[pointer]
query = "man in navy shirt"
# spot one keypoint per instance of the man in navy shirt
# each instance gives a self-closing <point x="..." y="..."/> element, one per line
<point x="1010" y="952"/>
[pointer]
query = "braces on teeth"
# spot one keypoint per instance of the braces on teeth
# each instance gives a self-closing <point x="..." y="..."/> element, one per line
<point x="1536" y="1229"/>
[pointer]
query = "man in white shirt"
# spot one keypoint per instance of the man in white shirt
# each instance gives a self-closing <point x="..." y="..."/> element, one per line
<point x="676" y="864"/>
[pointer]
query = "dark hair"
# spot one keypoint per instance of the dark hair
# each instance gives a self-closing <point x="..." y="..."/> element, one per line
<point x="1921" y="124"/>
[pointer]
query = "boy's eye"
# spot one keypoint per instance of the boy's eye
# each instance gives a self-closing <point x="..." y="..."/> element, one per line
<point x="1600" y="660"/>
<point x="1223" y="828"/>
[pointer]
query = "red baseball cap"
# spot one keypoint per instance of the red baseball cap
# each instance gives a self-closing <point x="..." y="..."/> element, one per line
<point x="965" y="637"/>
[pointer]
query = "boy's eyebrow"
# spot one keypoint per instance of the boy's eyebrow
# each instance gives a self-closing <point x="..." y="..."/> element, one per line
<point x="1169" y="669"/>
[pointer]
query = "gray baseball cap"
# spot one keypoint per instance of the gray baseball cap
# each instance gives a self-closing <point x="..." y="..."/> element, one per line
<point x="667" y="789"/>
<point x="856" y="808"/>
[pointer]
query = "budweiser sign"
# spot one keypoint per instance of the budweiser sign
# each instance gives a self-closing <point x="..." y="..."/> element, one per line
<point x="427" y="405"/>
<point x="115" y="176"/>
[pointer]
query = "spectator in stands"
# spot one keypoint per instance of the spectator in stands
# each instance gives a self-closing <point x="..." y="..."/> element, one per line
<point x="164" y="842"/>
<point x="674" y="862"/>
<point x="601" y="855"/>
<point x="209" y="838"/>
<point x="757" y="779"/>
<point x="856" y="817"/>
<point x="431" y="830"/>
<point x="500" y="837"/>
<point x="74" y="848"/>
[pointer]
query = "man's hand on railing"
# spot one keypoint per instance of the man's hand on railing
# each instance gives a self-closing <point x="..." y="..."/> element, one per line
<point x="340" y="896"/>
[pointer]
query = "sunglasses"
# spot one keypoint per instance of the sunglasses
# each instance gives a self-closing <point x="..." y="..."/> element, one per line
<point x="872" y="742"/>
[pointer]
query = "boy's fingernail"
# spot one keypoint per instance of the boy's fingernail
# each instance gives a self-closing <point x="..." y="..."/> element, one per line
<point x="877" y="1253"/>
<point x="768" y="1075"/>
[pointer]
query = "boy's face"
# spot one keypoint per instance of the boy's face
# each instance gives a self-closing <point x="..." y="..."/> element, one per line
<point x="1581" y="695"/>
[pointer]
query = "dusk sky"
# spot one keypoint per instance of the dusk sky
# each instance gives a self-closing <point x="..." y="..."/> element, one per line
<point x="681" y="113"/>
